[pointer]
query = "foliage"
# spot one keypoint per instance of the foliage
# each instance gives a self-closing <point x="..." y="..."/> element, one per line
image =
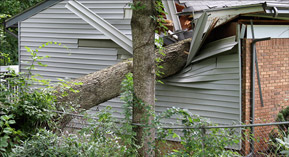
<point x="159" y="42"/>
<point x="283" y="145"/>
<point x="279" y="142"/>
<point x="13" y="7"/>
<point x="26" y="107"/>
<point x="9" y="8"/>
<point x="8" y="45"/>
<point x="107" y="136"/>
<point x="194" y="139"/>
<point x="213" y="144"/>
<point x="4" y="59"/>
<point x="137" y="6"/>
<point x="127" y="128"/>
<point x="283" y="116"/>
<point x="98" y="139"/>
<point x="8" y="135"/>
<point x="279" y="136"/>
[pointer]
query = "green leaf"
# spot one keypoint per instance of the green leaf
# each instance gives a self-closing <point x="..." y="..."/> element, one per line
<point x="28" y="49"/>
<point x="3" y="141"/>
<point x="8" y="130"/>
<point x="176" y="136"/>
<point x="174" y="150"/>
<point x="190" y="119"/>
<point x="11" y="122"/>
<point x="43" y="65"/>
<point x="59" y="79"/>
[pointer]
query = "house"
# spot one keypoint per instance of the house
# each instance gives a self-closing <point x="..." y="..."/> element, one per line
<point x="216" y="83"/>
<point x="262" y="28"/>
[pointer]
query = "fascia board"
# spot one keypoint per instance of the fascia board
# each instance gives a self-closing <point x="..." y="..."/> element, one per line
<point x="278" y="5"/>
<point x="271" y="16"/>
<point x="232" y="12"/>
<point x="100" y="24"/>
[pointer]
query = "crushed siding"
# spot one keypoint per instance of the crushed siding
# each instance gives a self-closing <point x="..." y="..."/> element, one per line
<point x="214" y="97"/>
<point x="217" y="97"/>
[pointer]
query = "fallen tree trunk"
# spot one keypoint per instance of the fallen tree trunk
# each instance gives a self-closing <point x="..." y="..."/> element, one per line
<point x="103" y="85"/>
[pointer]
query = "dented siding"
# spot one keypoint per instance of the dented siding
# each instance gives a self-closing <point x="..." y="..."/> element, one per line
<point x="209" y="88"/>
<point x="212" y="93"/>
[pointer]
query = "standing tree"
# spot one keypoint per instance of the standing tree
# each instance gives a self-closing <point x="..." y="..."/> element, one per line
<point x="143" y="33"/>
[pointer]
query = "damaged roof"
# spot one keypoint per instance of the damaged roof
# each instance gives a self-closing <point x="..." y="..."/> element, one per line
<point x="209" y="5"/>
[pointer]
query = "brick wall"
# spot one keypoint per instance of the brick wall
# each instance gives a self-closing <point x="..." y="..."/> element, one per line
<point x="273" y="60"/>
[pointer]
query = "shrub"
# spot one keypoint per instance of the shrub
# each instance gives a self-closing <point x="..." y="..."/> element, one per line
<point x="99" y="139"/>
<point x="26" y="108"/>
<point x="23" y="109"/>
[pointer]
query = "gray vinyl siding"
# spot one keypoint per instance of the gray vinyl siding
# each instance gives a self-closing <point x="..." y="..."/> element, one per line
<point x="58" y="24"/>
<point x="210" y="89"/>
<point x="211" y="92"/>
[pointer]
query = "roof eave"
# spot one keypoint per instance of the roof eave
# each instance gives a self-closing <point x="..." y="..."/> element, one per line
<point x="13" y="21"/>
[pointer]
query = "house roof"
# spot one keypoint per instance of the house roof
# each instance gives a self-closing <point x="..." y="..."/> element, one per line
<point x="269" y="6"/>
<point x="209" y="5"/>
<point x="13" y="21"/>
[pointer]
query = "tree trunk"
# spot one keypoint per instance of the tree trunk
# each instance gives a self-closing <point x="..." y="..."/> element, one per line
<point x="143" y="37"/>
<point x="105" y="84"/>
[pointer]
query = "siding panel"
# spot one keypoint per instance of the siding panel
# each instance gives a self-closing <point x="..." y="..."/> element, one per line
<point x="209" y="90"/>
<point x="212" y="89"/>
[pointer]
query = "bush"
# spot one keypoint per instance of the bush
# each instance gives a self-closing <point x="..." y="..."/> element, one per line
<point x="99" y="139"/>
<point x="26" y="110"/>
<point x="105" y="136"/>
<point x="23" y="109"/>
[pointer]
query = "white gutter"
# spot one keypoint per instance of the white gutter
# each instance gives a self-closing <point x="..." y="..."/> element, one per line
<point x="100" y="24"/>
<point x="170" y="8"/>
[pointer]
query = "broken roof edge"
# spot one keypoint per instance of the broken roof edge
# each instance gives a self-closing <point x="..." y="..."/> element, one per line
<point x="222" y="9"/>
<point x="30" y="12"/>
<point x="265" y="5"/>
<point x="275" y="4"/>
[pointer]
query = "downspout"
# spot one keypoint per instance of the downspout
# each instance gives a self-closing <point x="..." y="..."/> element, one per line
<point x="253" y="65"/>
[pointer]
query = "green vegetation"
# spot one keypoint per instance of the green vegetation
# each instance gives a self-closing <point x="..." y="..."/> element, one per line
<point x="24" y="109"/>
<point x="279" y="137"/>
<point x="9" y="8"/>
<point x="29" y="127"/>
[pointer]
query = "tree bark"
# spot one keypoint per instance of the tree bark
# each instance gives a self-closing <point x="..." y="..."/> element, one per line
<point x="143" y="37"/>
<point x="103" y="85"/>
